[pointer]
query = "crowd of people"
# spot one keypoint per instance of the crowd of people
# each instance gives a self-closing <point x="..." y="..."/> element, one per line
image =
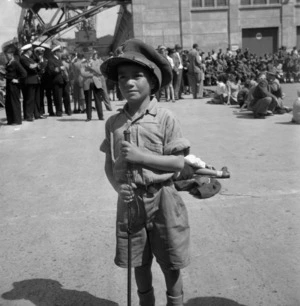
<point x="41" y="73"/>
<point x="38" y="73"/>
<point x="241" y="78"/>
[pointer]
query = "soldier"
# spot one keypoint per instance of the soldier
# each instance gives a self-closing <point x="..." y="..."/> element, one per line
<point x="55" y="70"/>
<point x="31" y="85"/>
<point x="42" y="64"/>
<point x="14" y="72"/>
<point x="66" y="86"/>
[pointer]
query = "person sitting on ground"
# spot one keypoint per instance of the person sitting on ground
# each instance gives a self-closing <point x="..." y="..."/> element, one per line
<point x="276" y="90"/>
<point x="243" y="93"/>
<point x="249" y="97"/>
<point x="233" y="87"/>
<point x="221" y="93"/>
<point x="264" y="102"/>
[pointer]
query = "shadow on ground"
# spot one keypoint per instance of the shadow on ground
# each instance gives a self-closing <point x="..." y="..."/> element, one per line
<point x="42" y="292"/>
<point x="287" y="123"/>
<point x="211" y="301"/>
<point x="243" y="115"/>
<point x="71" y="120"/>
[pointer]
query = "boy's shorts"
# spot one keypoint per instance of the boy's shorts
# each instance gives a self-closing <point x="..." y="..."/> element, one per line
<point x="160" y="227"/>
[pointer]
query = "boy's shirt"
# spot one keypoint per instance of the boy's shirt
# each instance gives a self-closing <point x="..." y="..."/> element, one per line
<point x="157" y="131"/>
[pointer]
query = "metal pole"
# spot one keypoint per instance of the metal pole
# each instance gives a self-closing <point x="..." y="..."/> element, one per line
<point x="129" y="181"/>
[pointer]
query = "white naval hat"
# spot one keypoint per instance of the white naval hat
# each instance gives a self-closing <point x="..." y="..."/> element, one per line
<point x="26" y="47"/>
<point x="39" y="49"/>
<point x="56" y="48"/>
<point x="46" y="46"/>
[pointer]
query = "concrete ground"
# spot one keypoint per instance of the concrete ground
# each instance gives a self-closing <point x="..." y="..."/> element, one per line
<point x="57" y="219"/>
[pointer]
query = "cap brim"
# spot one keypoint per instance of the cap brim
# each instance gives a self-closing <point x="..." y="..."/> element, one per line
<point x="109" y="67"/>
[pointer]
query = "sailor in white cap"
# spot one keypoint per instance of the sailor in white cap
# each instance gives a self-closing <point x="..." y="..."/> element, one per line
<point x="26" y="47"/>
<point x="31" y="90"/>
<point x="14" y="72"/>
<point x="56" y="48"/>
<point x="39" y="57"/>
<point x="56" y="72"/>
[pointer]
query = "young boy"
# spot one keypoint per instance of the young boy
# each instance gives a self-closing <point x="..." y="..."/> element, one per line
<point x="221" y="92"/>
<point x="159" y="220"/>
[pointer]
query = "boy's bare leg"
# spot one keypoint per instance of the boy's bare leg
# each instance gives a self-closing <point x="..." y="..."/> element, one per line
<point x="206" y="172"/>
<point x="223" y="173"/>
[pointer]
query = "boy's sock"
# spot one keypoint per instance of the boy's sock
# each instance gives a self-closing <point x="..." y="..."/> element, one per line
<point x="219" y="173"/>
<point x="147" y="298"/>
<point x="174" y="301"/>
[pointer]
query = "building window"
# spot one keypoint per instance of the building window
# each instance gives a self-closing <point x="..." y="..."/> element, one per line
<point x="209" y="3"/>
<point x="260" y="2"/>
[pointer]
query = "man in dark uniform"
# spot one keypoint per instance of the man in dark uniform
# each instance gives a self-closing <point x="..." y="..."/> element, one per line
<point x="31" y="85"/>
<point x="55" y="70"/>
<point x="14" y="72"/>
<point x="46" y="86"/>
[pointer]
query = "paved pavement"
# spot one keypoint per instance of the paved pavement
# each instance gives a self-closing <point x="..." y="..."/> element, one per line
<point x="58" y="212"/>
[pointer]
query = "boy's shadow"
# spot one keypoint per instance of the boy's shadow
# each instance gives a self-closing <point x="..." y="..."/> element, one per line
<point x="48" y="292"/>
<point x="211" y="301"/>
<point x="72" y="120"/>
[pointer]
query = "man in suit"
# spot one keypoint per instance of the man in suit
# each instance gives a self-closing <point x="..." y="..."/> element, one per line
<point x="196" y="72"/>
<point x="177" y="77"/>
<point x="93" y="84"/>
<point x="31" y="105"/>
<point x="55" y="69"/>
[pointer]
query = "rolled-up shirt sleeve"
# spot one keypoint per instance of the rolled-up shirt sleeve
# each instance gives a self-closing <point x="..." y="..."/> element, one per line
<point x="174" y="141"/>
<point x="105" y="146"/>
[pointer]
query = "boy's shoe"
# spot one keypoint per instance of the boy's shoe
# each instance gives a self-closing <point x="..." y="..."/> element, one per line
<point x="225" y="173"/>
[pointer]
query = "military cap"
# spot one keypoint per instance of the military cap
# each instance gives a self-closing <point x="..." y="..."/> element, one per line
<point x="26" y="47"/>
<point x="137" y="52"/>
<point x="45" y="46"/>
<point x="39" y="49"/>
<point x="177" y="47"/>
<point x="56" y="48"/>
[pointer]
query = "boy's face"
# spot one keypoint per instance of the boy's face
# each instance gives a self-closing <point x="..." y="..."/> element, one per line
<point x="134" y="82"/>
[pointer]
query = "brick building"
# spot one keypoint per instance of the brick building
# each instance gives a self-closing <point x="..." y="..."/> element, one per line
<point x="261" y="25"/>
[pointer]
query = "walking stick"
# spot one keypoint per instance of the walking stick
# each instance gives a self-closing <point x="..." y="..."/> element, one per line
<point x="129" y="182"/>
